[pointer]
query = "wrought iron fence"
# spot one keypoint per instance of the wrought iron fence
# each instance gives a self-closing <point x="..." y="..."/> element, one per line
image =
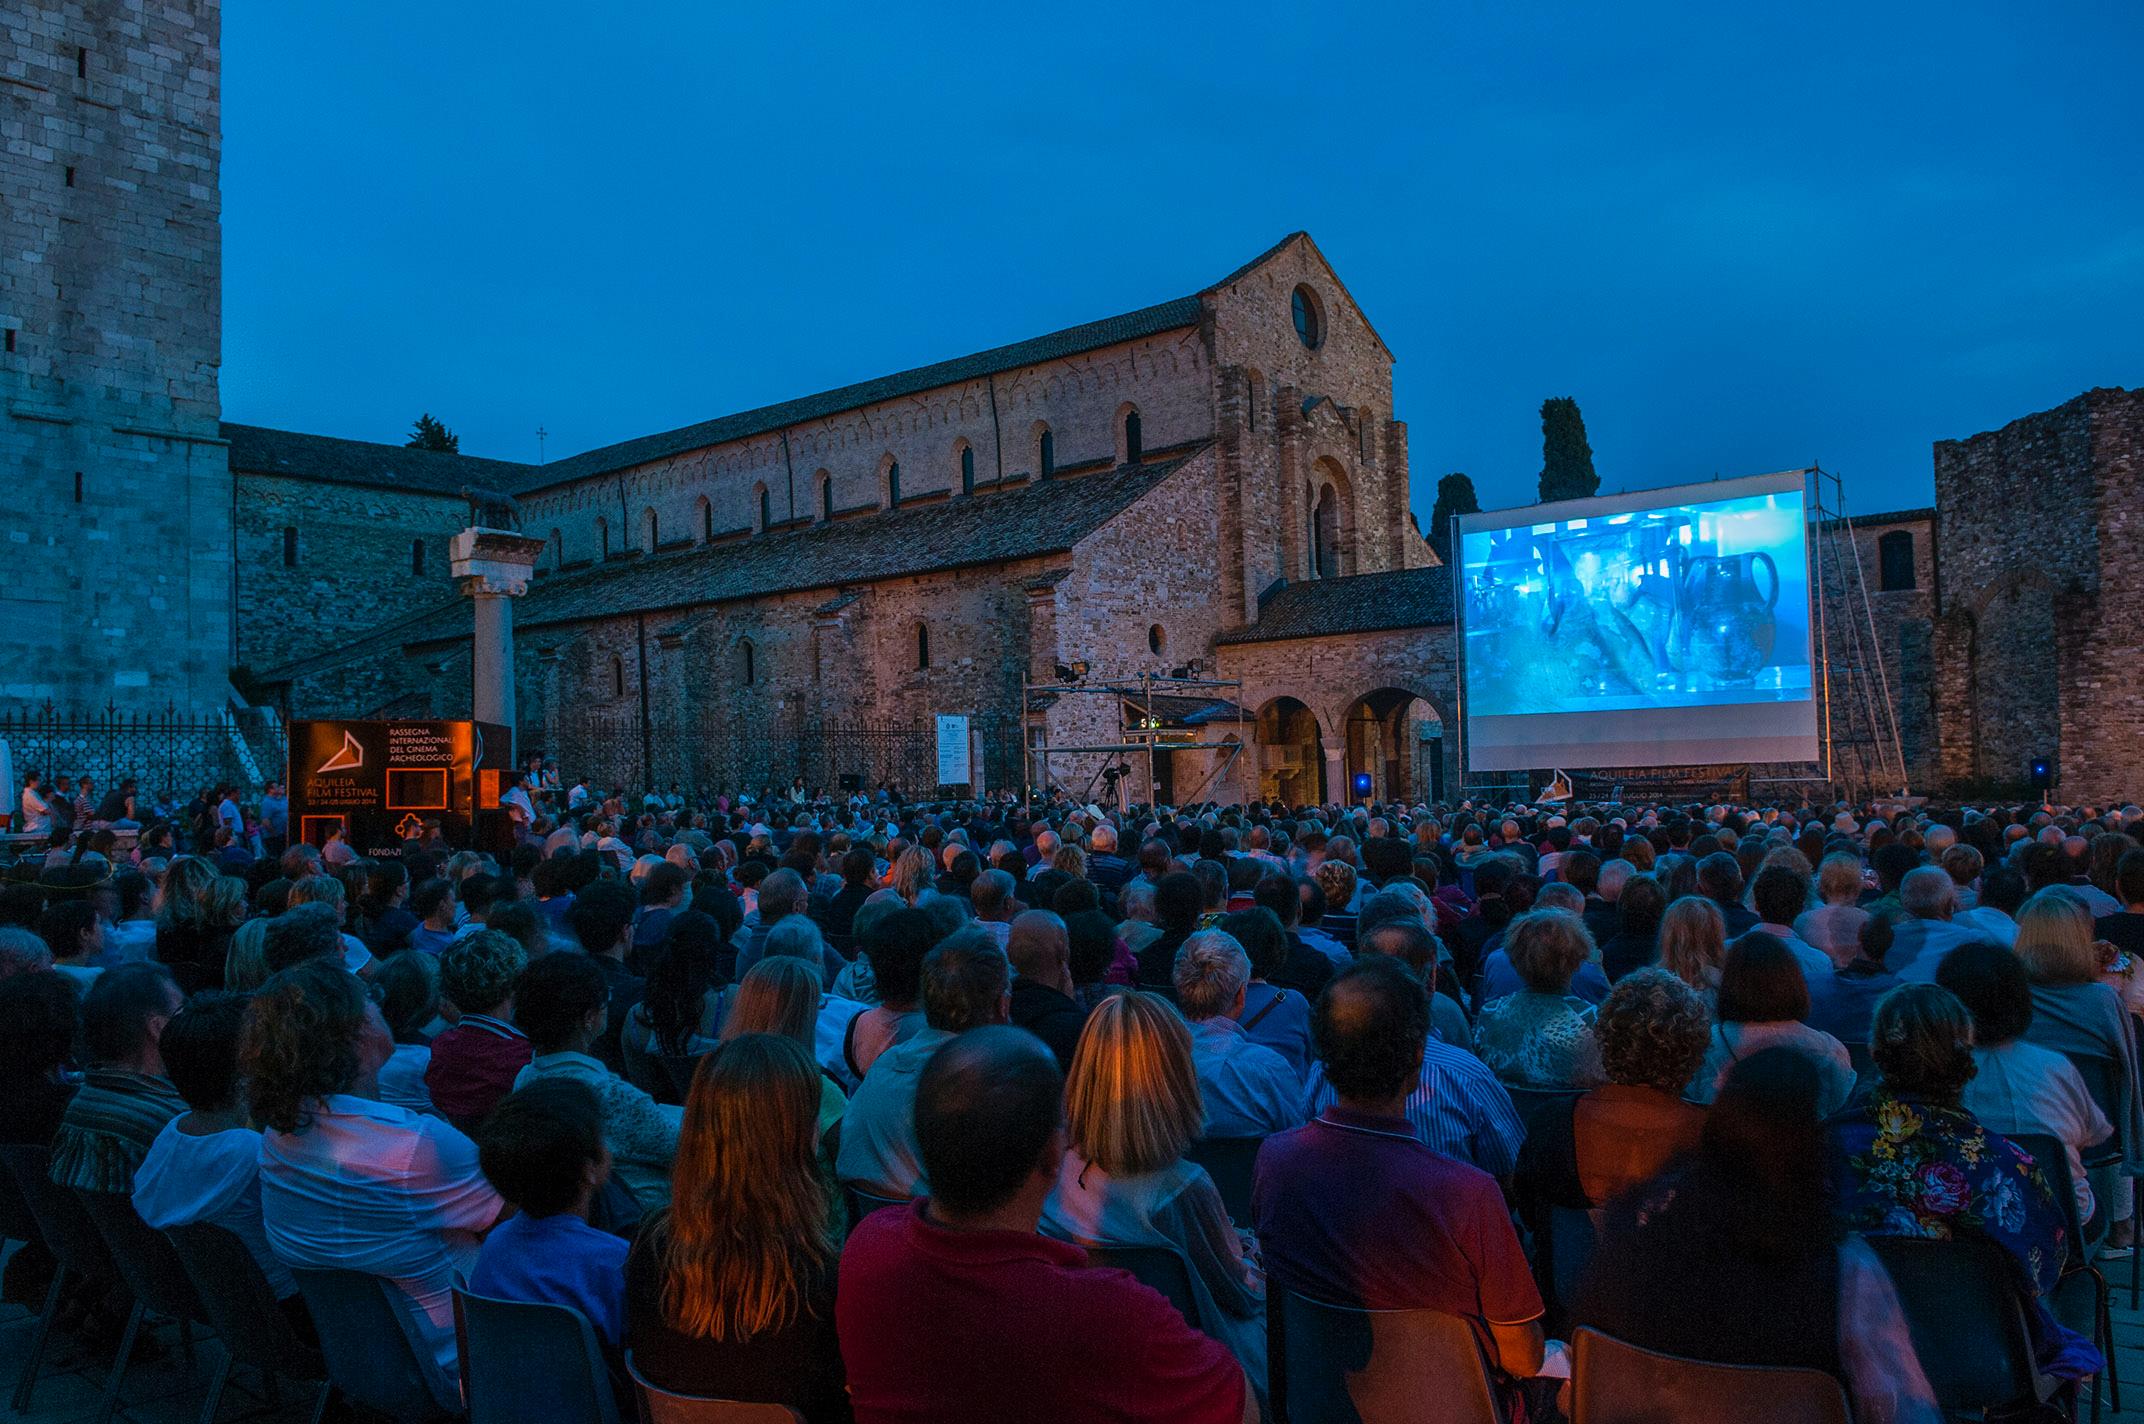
<point x="169" y="751"/>
<point x="904" y="754"/>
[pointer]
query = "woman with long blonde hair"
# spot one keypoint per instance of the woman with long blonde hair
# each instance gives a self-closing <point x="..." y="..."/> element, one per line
<point x="730" y="1291"/>
<point x="1693" y="944"/>
<point x="781" y="995"/>
<point x="913" y="874"/>
<point x="1132" y="1106"/>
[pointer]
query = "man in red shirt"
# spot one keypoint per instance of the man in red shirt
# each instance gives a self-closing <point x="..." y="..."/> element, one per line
<point x="953" y="1309"/>
<point x="475" y="1062"/>
<point x="1353" y="1209"/>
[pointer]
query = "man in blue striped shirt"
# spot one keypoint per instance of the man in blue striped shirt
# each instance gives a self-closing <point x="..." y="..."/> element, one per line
<point x="1457" y="1107"/>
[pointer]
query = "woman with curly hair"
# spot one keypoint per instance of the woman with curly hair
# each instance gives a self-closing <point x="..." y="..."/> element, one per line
<point x="1911" y="1161"/>
<point x="349" y="1182"/>
<point x="1652" y="1031"/>
<point x="730" y="1291"/>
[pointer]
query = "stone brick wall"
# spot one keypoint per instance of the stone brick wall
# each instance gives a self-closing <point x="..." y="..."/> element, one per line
<point x="354" y="568"/>
<point x="115" y="578"/>
<point x="1079" y="399"/>
<point x="1897" y="712"/>
<point x="2038" y="613"/>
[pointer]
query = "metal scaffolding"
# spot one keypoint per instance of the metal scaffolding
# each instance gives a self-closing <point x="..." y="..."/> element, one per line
<point x="1146" y="737"/>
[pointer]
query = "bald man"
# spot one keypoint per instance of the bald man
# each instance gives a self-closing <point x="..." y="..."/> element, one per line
<point x="1042" y="996"/>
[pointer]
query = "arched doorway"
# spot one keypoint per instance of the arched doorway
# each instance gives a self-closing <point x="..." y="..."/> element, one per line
<point x="1397" y="740"/>
<point x="1291" y="753"/>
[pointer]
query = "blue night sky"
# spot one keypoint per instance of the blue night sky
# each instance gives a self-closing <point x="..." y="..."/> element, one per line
<point x="1743" y="244"/>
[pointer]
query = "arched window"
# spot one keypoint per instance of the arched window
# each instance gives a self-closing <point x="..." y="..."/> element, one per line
<point x="893" y="485"/>
<point x="766" y="508"/>
<point x="290" y="546"/>
<point x="747" y="662"/>
<point x="558" y="548"/>
<point x="967" y="468"/>
<point x="1894" y="561"/>
<point x="617" y="676"/>
<point x="1046" y="453"/>
<point x="1325" y="533"/>
<point x="416" y="557"/>
<point x="1309" y="318"/>
<point x="1134" y="443"/>
<point x="603" y="536"/>
<point x="1157" y="639"/>
<point x="707" y="518"/>
<point x="923" y="646"/>
<point x="826" y="495"/>
<point x="650" y="531"/>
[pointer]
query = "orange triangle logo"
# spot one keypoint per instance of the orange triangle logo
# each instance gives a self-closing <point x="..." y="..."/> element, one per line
<point x="351" y="757"/>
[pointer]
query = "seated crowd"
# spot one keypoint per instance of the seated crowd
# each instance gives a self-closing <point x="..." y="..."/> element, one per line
<point x="826" y="1104"/>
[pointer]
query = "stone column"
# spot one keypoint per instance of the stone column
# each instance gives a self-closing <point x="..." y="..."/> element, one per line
<point x="490" y="567"/>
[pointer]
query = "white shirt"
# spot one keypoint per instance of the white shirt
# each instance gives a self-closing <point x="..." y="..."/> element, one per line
<point x="2022" y="1087"/>
<point x="36" y="813"/>
<point x="376" y="1188"/>
<point x="1991" y="922"/>
<point x="216" y="1178"/>
<point x="402" y="1077"/>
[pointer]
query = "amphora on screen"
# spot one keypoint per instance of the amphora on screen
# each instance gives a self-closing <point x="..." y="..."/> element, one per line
<point x="1725" y="625"/>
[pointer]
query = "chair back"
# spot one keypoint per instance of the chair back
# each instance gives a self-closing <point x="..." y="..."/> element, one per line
<point x="660" y="1406"/>
<point x="373" y="1353"/>
<point x="1864" y="1058"/>
<point x="1339" y="1365"/>
<point x="1161" y="1268"/>
<point x="1229" y="1160"/>
<point x="2103" y="1080"/>
<point x="146" y="1262"/>
<point x="2055" y="1161"/>
<point x="59" y="1216"/>
<point x="523" y="1360"/>
<point x="1966" y="1317"/>
<point x="862" y="1203"/>
<point x="240" y="1304"/>
<point x="1615" y="1383"/>
<point x="1532" y="1102"/>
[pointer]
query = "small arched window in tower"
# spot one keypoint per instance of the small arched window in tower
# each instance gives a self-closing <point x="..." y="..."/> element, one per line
<point x="967" y="469"/>
<point x="1134" y="438"/>
<point x="290" y="546"/>
<point x="747" y="662"/>
<point x="77" y="486"/>
<point x="416" y="557"/>
<point x="1894" y="561"/>
<point x="893" y="485"/>
<point x="1157" y="640"/>
<point x="617" y="676"/>
<point x="1325" y="533"/>
<point x="1046" y="453"/>
<point x="923" y="646"/>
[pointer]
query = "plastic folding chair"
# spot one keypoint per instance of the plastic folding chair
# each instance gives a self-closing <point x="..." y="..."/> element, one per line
<point x="523" y="1360"/>
<point x="2103" y="1081"/>
<point x="1967" y="1321"/>
<point x="1161" y="1268"/>
<point x="2078" y="1270"/>
<point x="862" y="1203"/>
<point x="68" y="1233"/>
<point x="373" y="1353"/>
<point x="151" y="1270"/>
<point x="1616" y="1383"/>
<point x="1333" y="1364"/>
<point x="247" y="1318"/>
<point x="660" y="1406"/>
<point x="1229" y="1161"/>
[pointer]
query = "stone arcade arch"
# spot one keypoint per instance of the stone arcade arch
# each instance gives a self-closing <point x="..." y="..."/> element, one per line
<point x="1396" y="738"/>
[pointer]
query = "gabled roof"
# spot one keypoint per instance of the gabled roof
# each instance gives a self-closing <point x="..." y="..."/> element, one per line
<point x="1147" y="321"/>
<point x="1359" y="603"/>
<point x="329" y="459"/>
<point x="1027" y="521"/>
<point x="1310" y="242"/>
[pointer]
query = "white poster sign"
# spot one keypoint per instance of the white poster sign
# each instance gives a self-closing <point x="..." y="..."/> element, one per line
<point x="952" y="749"/>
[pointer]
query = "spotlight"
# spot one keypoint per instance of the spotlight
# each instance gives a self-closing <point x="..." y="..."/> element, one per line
<point x="2043" y="775"/>
<point x="1362" y="783"/>
<point x="1065" y="674"/>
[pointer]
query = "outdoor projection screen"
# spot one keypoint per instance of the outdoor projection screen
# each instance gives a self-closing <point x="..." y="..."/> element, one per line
<point x="1669" y="627"/>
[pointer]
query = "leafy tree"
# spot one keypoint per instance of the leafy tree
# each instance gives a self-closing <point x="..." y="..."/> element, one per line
<point x="431" y="434"/>
<point x="1566" y="458"/>
<point x="1455" y="496"/>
